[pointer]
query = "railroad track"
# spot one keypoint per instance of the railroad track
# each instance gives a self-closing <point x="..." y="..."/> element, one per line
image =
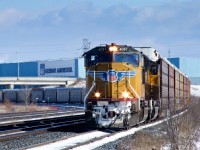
<point x="12" y="118"/>
<point x="93" y="139"/>
<point x="21" y="115"/>
<point x="71" y="137"/>
<point x="33" y="128"/>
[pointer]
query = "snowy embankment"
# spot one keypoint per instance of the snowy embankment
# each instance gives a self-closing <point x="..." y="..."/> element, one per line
<point x="195" y="90"/>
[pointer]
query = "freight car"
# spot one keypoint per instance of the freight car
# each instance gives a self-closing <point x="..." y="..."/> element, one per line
<point x="128" y="85"/>
<point x="48" y="95"/>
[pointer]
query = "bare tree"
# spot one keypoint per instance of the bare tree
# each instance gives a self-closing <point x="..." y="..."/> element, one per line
<point x="25" y="96"/>
<point x="182" y="131"/>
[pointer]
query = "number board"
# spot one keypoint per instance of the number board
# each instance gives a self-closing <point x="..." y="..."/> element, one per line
<point x="123" y="49"/>
<point x="120" y="48"/>
<point x="103" y="49"/>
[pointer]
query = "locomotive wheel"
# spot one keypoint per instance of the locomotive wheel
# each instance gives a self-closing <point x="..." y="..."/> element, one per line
<point x="134" y="120"/>
<point x="89" y="120"/>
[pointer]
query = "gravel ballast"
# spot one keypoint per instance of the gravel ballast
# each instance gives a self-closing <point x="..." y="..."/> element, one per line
<point x="29" y="140"/>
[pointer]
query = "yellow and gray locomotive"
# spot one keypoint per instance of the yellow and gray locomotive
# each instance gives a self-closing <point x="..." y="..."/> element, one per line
<point x="127" y="85"/>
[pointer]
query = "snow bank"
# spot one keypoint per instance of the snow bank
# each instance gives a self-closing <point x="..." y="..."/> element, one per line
<point x="78" y="84"/>
<point x="195" y="90"/>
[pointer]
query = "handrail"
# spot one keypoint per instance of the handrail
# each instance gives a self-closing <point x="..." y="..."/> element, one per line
<point x="93" y="85"/>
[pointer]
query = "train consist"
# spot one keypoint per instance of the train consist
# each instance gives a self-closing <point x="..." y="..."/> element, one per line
<point x="128" y="85"/>
<point x="47" y="95"/>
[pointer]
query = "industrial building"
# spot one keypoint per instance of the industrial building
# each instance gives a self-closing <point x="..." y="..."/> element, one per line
<point x="39" y="73"/>
<point x="189" y="66"/>
<point x="73" y="68"/>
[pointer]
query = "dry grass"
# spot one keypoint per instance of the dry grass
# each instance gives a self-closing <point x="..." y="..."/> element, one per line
<point x="181" y="132"/>
<point x="143" y="140"/>
<point x="9" y="107"/>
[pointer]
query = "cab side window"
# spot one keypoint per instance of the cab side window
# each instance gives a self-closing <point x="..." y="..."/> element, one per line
<point x="154" y="70"/>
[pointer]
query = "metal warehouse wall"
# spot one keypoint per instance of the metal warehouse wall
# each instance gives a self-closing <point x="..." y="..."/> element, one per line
<point x="195" y="80"/>
<point x="8" y="70"/>
<point x="175" y="61"/>
<point x="26" y="69"/>
<point x="62" y="68"/>
<point x="81" y="68"/>
<point x="189" y="66"/>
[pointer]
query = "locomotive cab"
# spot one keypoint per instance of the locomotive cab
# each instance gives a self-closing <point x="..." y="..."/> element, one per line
<point x="114" y="85"/>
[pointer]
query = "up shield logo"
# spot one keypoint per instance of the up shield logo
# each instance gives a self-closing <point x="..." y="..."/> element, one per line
<point x="112" y="75"/>
<point x="42" y="69"/>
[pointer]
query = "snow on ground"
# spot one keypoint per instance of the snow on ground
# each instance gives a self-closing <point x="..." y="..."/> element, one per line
<point x="71" y="141"/>
<point x="78" y="84"/>
<point x="67" y="105"/>
<point x="195" y="90"/>
<point x="198" y="144"/>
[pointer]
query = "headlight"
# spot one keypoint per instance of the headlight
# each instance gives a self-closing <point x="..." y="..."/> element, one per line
<point x="125" y="94"/>
<point x="113" y="48"/>
<point x="97" y="94"/>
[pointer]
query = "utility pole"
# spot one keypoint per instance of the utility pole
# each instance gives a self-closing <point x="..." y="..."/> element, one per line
<point x="169" y="54"/>
<point x="17" y="65"/>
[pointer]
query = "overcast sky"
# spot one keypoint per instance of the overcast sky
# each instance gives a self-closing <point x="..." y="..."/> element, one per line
<point x="52" y="29"/>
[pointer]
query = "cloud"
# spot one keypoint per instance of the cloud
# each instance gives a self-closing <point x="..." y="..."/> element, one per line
<point x="161" y="26"/>
<point x="10" y="16"/>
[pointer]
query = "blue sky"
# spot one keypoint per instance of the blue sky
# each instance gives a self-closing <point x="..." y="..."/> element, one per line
<point x="52" y="29"/>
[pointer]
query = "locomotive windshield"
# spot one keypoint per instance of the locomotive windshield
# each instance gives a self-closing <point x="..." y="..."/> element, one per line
<point x="94" y="59"/>
<point x="129" y="58"/>
<point x="106" y="54"/>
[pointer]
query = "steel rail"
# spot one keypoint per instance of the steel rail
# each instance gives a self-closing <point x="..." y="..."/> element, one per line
<point x="24" y="119"/>
<point x="37" y="129"/>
